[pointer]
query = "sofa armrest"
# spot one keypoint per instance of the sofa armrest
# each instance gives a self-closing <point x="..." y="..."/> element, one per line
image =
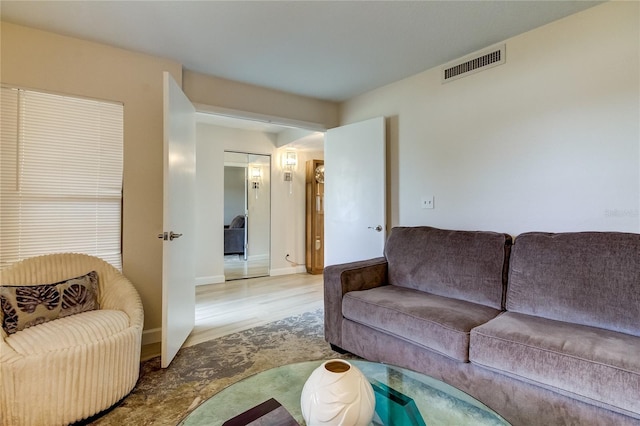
<point x="341" y="279"/>
<point x="233" y="240"/>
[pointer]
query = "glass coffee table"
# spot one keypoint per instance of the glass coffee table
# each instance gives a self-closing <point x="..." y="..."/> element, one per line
<point x="436" y="402"/>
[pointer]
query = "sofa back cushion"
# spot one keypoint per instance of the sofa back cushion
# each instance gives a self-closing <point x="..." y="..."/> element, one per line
<point x="237" y="222"/>
<point x="588" y="278"/>
<point x="465" y="265"/>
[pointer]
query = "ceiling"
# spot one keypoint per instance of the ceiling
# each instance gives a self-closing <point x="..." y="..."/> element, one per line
<point x="330" y="50"/>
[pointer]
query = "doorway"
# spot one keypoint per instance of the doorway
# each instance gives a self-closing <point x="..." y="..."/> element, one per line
<point x="247" y="215"/>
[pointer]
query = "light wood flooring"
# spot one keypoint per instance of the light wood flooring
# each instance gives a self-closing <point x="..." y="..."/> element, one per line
<point x="237" y="268"/>
<point x="234" y="306"/>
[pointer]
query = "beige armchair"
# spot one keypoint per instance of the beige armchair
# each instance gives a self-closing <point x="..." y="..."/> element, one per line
<point x="67" y="369"/>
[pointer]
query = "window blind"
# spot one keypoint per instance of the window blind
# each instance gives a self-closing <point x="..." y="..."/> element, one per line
<point x="61" y="178"/>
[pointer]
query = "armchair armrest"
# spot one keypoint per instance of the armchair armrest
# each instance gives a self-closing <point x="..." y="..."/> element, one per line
<point x="7" y="354"/>
<point x="341" y="279"/>
<point x="118" y="293"/>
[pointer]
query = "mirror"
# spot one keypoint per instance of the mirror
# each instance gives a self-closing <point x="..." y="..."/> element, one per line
<point x="247" y="215"/>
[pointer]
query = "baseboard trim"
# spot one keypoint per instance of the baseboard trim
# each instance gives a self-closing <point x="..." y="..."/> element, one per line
<point x="300" y="269"/>
<point x="151" y="336"/>
<point x="213" y="279"/>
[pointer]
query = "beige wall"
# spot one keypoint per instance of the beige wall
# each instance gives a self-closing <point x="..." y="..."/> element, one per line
<point x="549" y="141"/>
<point x="209" y="90"/>
<point x="49" y="62"/>
<point x="45" y="61"/>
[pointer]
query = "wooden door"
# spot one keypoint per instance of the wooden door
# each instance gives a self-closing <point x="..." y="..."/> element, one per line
<point x="314" y="241"/>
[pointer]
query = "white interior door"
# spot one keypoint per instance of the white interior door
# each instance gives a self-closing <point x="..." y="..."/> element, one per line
<point x="355" y="194"/>
<point x="178" y="253"/>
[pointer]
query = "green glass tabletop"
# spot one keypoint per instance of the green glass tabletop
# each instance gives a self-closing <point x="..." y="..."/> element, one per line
<point x="436" y="402"/>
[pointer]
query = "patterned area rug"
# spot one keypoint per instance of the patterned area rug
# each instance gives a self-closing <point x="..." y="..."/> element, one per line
<point x="165" y="396"/>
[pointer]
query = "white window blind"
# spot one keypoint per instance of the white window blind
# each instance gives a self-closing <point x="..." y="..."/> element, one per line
<point x="61" y="177"/>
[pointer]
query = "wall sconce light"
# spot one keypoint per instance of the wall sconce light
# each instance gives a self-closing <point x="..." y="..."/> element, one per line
<point x="289" y="163"/>
<point x="255" y="175"/>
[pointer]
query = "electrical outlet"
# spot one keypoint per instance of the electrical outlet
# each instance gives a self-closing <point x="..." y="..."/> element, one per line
<point x="427" y="202"/>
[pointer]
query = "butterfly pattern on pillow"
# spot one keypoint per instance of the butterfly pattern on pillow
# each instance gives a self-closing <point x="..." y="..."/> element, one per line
<point x="29" y="297"/>
<point x="26" y="306"/>
<point x="77" y="298"/>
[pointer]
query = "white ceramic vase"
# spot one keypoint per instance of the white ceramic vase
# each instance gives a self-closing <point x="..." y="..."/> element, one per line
<point x="337" y="393"/>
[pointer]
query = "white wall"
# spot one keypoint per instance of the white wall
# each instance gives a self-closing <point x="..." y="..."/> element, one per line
<point x="287" y="211"/>
<point x="549" y="141"/>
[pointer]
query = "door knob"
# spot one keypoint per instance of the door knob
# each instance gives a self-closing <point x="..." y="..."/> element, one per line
<point x="169" y="236"/>
<point x="377" y="228"/>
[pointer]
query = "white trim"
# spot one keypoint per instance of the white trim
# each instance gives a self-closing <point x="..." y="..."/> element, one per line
<point x="300" y="269"/>
<point x="213" y="279"/>
<point x="151" y="336"/>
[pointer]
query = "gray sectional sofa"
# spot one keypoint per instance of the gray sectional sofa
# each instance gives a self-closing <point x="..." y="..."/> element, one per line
<point x="543" y="328"/>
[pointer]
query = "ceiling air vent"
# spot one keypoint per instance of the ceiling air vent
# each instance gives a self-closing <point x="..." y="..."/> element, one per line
<point x="476" y="62"/>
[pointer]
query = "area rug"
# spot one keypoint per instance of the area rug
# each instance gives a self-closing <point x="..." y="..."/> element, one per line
<point x="165" y="396"/>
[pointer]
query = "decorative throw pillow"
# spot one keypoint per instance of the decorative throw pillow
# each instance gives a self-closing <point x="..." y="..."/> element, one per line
<point x="27" y="305"/>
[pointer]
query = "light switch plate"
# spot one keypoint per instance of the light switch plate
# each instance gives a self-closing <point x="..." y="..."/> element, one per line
<point x="427" y="202"/>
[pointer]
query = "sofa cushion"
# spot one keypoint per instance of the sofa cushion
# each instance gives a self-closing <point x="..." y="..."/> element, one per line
<point x="23" y="306"/>
<point x="434" y="322"/>
<point x="86" y="328"/>
<point x="588" y="278"/>
<point x="465" y="265"/>
<point x="589" y="363"/>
